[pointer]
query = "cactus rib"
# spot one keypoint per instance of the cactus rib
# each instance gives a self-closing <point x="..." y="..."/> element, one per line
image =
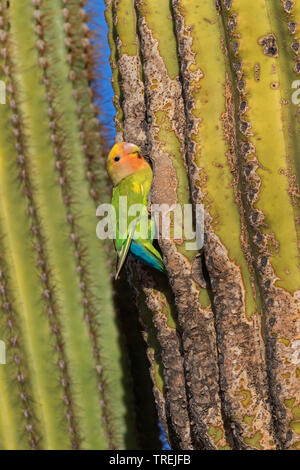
<point x="130" y="69"/>
<point x="163" y="320"/>
<point x="14" y="424"/>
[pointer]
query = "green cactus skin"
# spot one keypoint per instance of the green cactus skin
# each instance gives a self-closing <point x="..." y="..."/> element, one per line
<point x="64" y="385"/>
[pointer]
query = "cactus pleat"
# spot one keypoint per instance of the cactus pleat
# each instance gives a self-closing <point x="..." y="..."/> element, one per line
<point x="206" y="91"/>
<point x="153" y="348"/>
<point x="64" y="384"/>
<point x="13" y="425"/>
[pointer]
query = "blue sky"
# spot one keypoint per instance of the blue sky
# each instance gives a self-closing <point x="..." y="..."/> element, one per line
<point x="104" y="77"/>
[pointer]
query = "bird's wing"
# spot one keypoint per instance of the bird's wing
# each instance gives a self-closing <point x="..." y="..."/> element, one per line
<point x="122" y="253"/>
<point x="137" y="194"/>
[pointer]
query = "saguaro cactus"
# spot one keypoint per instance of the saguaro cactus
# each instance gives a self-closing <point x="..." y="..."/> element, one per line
<point x="66" y="381"/>
<point x="205" y="88"/>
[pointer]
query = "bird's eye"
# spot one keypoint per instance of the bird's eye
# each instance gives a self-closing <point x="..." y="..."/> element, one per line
<point x="116" y="159"/>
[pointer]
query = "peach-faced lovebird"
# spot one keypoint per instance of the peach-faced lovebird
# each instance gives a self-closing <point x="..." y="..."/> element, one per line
<point x="132" y="176"/>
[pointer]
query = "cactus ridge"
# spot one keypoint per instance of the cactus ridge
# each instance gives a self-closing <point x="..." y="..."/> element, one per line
<point x="18" y="372"/>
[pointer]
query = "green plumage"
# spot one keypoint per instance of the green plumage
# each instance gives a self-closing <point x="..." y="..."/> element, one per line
<point x="136" y="188"/>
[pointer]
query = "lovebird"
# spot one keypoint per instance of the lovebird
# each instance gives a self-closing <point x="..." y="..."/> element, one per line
<point x="132" y="176"/>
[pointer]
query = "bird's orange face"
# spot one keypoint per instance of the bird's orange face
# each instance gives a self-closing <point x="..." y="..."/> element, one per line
<point x="123" y="160"/>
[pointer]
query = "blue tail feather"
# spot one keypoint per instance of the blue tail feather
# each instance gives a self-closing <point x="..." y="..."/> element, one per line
<point x="141" y="253"/>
